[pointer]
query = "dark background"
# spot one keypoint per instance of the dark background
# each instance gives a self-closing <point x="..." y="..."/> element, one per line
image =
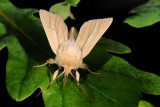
<point x="144" y="42"/>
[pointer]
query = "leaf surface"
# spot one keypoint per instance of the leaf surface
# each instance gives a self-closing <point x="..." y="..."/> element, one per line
<point x="119" y="85"/>
<point x="62" y="9"/>
<point x="2" y="29"/>
<point x="114" y="46"/>
<point x="143" y="103"/>
<point x="144" y="15"/>
<point x="73" y="2"/>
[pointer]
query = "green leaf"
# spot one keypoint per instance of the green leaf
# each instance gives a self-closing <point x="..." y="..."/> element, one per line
<point x="22" y="43"/>
<point x="143" y="103"/>
<point x="62" y="9"/>
<point x="114" y="46"/>
<point x="2" y="29"/>
<point x="73" y="2"/>
<point x="145" y="15"/>
<point x="120" y="84"/>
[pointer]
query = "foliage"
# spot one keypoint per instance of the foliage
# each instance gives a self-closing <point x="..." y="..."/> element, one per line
<point x="143" y="103"/>
<point x="120" y="83"/>
<point x="144" y="15"/>
<point x="63" y="9"/>
<point x="2" y="29"/>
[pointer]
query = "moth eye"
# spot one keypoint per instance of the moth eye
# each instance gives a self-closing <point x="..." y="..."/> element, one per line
<point x="61" y="69"/>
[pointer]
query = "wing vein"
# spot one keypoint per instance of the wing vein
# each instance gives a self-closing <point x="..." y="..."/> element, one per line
<point x="91" y="35"/>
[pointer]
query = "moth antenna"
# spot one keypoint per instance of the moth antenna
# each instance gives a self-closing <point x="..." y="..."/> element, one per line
<point x="80" y="86"/>
<point x="48" y="85"/>
<point x="42" y="90"/>
<point x="54" y="75"/>
<point x="54" y="79"/>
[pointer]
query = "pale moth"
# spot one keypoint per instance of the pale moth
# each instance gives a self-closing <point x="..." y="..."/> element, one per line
<point x="70" y="48"/>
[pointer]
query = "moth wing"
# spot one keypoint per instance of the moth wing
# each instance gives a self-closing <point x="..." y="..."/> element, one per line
<point x="55" y="29"/>
<point x="90" y="33"/>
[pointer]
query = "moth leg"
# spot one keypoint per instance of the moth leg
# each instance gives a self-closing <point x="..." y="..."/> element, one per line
<point x="49" y="61"/>
<point x="77" y="78"/>
<point x="84" y="66"/>
<point x="64" y="79"/>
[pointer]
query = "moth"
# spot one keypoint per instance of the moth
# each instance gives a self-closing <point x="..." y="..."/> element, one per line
<point x="71" y="47"/>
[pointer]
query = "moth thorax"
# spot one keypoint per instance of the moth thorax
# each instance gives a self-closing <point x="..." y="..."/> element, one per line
<point x="69" y="54"/>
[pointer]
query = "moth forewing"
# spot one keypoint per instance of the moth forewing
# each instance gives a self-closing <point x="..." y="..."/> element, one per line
<point x="47" y="23"/>
<point x="85" y="31"/>
<point x="55" y="29"/>
<point x="91" y="32"/>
